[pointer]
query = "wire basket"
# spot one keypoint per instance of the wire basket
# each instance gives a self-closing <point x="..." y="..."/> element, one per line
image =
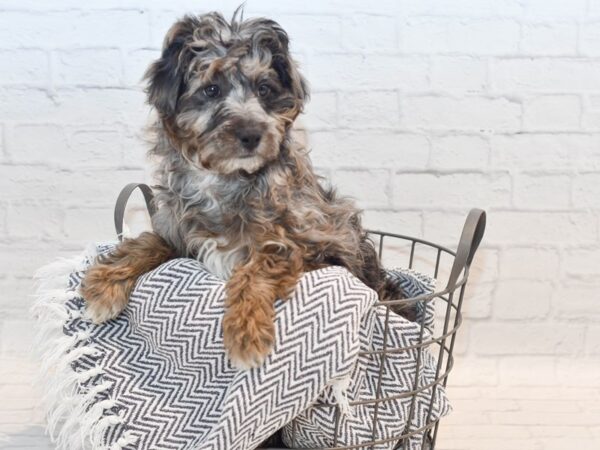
<point x="441" y="263"/>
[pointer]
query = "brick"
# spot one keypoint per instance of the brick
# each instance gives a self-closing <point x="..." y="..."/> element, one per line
<point x="473" y="372"/>
<point x="368" y="187"/>
<point x="525" y="339"/>
<point x="322" y="111"/>
<point x="335" y="6"/>
<point x="91" y="106"/>
<point x="461" y="431"/>
<point x="351" y="71"/>
<point x="16" y="306"/>
<point x="444" y="227"/>
<point x="459" y="152"/>
<point x="3" y="215"/>
<point x="369" y="148"/>
<point x="526" y="263"/>
<point x="534" y="392"/>
<point x="86" y="225"/>
<point x="590" y="120"/>
<point x="367" y="109"/>
<point x="23" y="183"/>
<point x="546" y="75"/>
<point x="463" y="8"/>
<point x="459" y="73"/>
<point x="88" y="67"/>
<point x="94" y="148"/>
<point x="36" y="221"/>
<point x="2" y="144"/>
<point x="517" y="371"/>
<point x="358" y="32"/>
<point x="136" y="220"/>
<point x="541" y="418"/>
<point x="462" y="343"/>
<point x="594" y="8"/>
<point x="71" y="188"/>
<point x="23" y="259"/>
<point x="61" y="29"/>
<point x="27" y="67"/>
<point x="593" y="340"/>
<point x="540" y="191"/>
<point x="457" y="35"/>
<point x="576" y="299"/>
<point x="552" y="112"/>
<point x="541" y="151"/>
<point x="17" y="337"/>
<point x="526" y="228"/>
<point x="308" y="31"/>
<point x="467" y="113"/>
<point x="39" y="144"/>
<point x="588" y="157"/>
<point x="581" y="372"/>
<point x="162" y="20"/>
<point x="134" y="147"/>
<point x="522" y="300"/>
<point x="586" y="190"/>
<point x="555" y="8"/>
<point x="478" y="300"/>
<point x="26" y="104"/>
<point x="451" y="190"/>
<point x="485" y="266"/>
<point x="101" y="106"/>
<point x="401" y="222"/>
<point x="549" y="39"/>
<point x="135" y="65"/>
<point x="581" y="261"/>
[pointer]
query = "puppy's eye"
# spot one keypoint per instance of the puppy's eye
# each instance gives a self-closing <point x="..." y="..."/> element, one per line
<point x="263" y="90"/>
<point x="212" y="91"/>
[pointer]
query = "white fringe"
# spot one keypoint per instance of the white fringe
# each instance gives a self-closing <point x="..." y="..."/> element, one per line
<point x="76" y="420"/>
<point x="339" y="389"/>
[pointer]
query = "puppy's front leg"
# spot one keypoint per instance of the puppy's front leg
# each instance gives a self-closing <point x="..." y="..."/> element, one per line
<point x="248" y="325"/>
<point x="107" y="284"/>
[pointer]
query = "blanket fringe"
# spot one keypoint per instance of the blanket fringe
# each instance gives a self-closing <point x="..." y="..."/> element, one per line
<point x="76" y="419"/>
<point x="339" y="389"/>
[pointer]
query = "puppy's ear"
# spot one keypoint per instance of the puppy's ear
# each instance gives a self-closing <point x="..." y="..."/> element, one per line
<point x="276" y="40"/>
<point x="166" y="75"/>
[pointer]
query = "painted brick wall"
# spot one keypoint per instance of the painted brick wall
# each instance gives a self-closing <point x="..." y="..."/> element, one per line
<point x="420" y="109"/>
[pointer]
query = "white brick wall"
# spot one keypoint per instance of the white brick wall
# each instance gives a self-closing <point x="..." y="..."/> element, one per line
<point x="420" y="108"/>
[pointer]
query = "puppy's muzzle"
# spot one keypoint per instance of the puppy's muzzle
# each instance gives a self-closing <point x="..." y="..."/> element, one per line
<point x="249" y="135"/>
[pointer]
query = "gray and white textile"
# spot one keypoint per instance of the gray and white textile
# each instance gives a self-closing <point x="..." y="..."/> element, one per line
<point x="158" y="377"/>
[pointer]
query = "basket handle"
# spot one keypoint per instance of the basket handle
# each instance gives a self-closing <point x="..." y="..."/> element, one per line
<point x="122" y="204"/>
<point x="470" y="239"/>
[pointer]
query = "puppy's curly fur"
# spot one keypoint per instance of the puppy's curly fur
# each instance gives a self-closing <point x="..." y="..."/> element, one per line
<point x="236" y="191"/>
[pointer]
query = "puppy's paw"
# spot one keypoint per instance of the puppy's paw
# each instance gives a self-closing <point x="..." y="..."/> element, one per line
<point x="106" y="296"/>
<point x="248" y="341"/>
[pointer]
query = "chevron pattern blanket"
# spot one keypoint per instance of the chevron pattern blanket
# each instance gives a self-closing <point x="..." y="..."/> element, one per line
<point x="158" y="377"/>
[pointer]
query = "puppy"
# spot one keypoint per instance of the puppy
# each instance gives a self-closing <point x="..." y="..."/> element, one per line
<point x="236" y="191"/>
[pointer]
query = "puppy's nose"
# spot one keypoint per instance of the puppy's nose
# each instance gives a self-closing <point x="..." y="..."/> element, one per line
<point x="249" y="138"/>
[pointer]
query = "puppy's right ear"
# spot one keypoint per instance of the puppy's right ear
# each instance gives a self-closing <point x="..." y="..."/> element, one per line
<point x="166" y="75"/>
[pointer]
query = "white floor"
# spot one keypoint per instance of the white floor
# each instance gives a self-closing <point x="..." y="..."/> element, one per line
<point x="522" y="418"/>
<point x="484" y="418"/>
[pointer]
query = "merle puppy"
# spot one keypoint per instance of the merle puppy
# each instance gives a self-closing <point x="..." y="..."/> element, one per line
<point x="236" y="192"/>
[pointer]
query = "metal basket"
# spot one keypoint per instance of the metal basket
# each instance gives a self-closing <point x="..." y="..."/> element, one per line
<point x="439" y="262"/>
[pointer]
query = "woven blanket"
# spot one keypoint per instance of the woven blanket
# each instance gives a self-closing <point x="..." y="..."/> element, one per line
<point x="158" y="377"/>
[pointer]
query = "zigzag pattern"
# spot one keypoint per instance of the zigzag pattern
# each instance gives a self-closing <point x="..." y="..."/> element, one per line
<point x="174" y="388"/>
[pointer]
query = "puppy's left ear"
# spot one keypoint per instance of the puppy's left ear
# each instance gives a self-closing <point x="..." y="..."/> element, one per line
<point x="277" y="42"/>
<point x="166" y="75"/>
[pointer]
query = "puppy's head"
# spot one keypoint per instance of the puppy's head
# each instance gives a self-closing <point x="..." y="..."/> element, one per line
<point x="226" y="92"/>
